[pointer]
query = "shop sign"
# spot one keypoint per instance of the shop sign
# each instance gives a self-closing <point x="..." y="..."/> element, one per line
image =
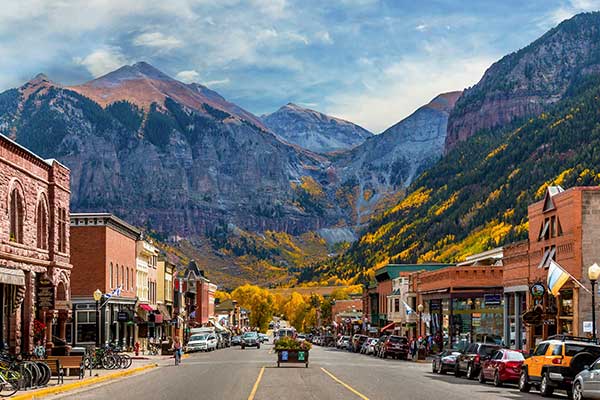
<point x="122" y="316"/>
<point x="492" y="299"/>
<point x="537" y="290"/>
<point x="45" y="293"/>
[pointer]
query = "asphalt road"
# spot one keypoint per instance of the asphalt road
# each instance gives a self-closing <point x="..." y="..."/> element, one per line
<point x="235" y="374"/>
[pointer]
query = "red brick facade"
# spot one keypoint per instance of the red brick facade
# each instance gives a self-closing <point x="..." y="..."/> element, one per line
<point x="34" y="239"/>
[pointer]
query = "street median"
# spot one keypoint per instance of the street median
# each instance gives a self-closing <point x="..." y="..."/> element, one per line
<point x="52" y="390"/>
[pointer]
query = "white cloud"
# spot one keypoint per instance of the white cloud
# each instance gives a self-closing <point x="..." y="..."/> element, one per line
<point x="217" y="82"/>
<point x="421" y="27"/>
<point x="272" y="8"/>
<point x="188" y="76"/>
<point x="566" y="11"/>
<point x="324" y="37"/>
<point x="388" y="96"/>
<point x="157" y="39"/>
<point x="102" y="61"/>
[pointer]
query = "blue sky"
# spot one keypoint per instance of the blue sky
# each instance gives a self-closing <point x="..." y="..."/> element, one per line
<point x="372" y="62"/>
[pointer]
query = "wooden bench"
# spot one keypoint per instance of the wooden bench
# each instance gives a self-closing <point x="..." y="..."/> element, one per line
<point x="68" y="363"/>
<point x="56" y="370"/>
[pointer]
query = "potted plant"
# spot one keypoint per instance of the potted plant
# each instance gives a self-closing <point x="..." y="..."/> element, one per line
<point x="292" y="351"/>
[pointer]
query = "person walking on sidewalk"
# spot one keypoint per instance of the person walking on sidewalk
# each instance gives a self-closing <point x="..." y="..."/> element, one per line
<point x="177" y="350"/>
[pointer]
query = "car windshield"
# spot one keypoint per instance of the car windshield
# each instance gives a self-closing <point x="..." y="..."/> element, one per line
<point x="573" y="349"/>
<point x="514" y="356"/>
<point x="249" y="335"/>
<point x="488" y="350"/>
<point x="398" y="339"/>
<point x="197" y="337"/>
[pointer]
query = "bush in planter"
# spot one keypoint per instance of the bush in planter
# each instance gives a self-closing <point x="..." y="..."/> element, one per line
<point x="287" y="343"/>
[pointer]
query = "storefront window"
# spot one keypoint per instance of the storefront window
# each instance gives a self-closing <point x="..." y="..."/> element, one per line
<point x="478" y="319"/>
<point x="86" y="326"/>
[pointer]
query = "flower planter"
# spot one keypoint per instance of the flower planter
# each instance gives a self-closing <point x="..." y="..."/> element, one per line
<point x="292" y="356"/>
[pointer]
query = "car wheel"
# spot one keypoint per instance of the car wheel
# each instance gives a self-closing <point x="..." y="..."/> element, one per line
<point x="524" y="385"/>
<point x="545" y="389"/>
<point x="440" y="369"/>
<point x="497" y="381"/>
<point x="470" y="371"/>
<point x="384" y="355"/>
<point x="577" y="391"/>
<point x="481" y="376"/>
<point x="433" y="367"/>
<point x="457" y="370"/>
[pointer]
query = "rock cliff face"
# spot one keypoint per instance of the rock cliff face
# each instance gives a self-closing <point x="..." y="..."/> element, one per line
<point x="390" y="161"/>
<point x="313" y="130"/>
<point x="525" y="82"/>
<point x="176" y="157"/>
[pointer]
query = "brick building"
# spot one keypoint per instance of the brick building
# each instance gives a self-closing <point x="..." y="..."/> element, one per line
<point x="34" y="247"/>
<point x="563" y="227"/>
<point x="103" y="253"/>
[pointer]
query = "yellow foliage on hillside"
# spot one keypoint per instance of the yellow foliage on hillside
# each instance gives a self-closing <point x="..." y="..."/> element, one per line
<point x="514" y="173"/>
<point x="479" y="240"/>
<point x="447" y="204"/>
<point x="496" y="151"/>
<point x="371" y="238"/>
<point x="415" y="199"/>
<point x="311" y="187"/>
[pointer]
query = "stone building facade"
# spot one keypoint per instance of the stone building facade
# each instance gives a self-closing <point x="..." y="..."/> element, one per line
<point x="34" y="248"/>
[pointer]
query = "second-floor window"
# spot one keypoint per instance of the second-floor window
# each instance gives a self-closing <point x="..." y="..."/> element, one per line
<point x="396" y="305"/>
<point x="42" y="225"/>
<point x="17" y="212"/>
<point x="62" y="230"/>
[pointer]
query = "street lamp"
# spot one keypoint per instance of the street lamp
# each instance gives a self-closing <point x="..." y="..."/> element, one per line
<point x="97" y="297"/>
<point x="593" y="274"/>
<point x="420" y="310"/>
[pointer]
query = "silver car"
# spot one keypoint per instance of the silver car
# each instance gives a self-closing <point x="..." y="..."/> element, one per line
<point x="587" y="383"/>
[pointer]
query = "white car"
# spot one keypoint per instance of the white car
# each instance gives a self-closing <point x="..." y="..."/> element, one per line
<point x="202" y="342"/>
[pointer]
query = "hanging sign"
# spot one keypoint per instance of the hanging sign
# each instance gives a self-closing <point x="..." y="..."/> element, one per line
<point x="537" y="290"/>
<point x="44" y="293"/>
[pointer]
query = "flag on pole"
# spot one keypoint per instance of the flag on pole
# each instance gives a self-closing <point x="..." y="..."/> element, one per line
<point x="115" y="292"/>
<point x="408" y="309"/>
<point x="557" y="277"/>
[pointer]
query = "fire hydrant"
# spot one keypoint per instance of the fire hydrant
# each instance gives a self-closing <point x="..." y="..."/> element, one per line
<point x="136" y="348"/>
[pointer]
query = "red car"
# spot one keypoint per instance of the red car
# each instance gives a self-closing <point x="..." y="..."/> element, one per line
<point x="503" y="366"/>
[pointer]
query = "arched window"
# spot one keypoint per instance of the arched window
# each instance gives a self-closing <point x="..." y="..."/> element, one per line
<point x="42" y="225"/>
<point x="16" y="216"/>
<point x="127" y="279"/>
<point x="122" y="276"/>
<point x="62" y="230"/>
<point x="117" y="281"/>
<point x="111" y="275"/>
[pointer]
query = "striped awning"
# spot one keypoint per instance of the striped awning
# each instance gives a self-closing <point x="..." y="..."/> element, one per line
<point x="11" y="276"/>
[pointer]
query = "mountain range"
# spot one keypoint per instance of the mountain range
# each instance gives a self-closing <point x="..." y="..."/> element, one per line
<point x="184" y="162"/>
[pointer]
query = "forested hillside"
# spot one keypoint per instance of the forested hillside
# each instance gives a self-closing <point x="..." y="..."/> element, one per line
<point x="476" y="197"/>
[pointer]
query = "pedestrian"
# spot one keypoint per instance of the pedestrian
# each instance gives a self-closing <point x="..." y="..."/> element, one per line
<point x="177" y="350"/>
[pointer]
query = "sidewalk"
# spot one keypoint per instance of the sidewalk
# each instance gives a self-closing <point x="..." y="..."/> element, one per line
<point x="139" y="364"/>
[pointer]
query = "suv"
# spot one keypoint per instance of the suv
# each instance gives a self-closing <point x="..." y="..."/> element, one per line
<point x="250" y="339"/>
<point x="555" y="363"/>
<point x="470" y="360"/>
<point x="395" y="346"/>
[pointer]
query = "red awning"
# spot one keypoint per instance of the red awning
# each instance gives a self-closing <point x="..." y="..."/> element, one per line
<point x="388" y="326"/>
<point x="146" y="307"/>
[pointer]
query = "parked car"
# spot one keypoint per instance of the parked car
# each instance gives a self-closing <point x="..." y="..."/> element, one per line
<point x="469" y="362"/>
<point x="250" y="339"/>
<point x="372" y="343"/>
<point x="379" y="345"/>
<point x="556" y="362"/>
<point x="444" y="361"/>
<point x="301" y="337"/>
<point x="395" y="346"/>
<point x="342" y="342"/>
<point x="263" y="338"/>
<point x="357" y="344"/>
<point x="365" y="345"/>
<point x="587" y="383"/>
<point x="503" y="366"/>
<point x="201" y="342"/>
<point x="236" y="340"/>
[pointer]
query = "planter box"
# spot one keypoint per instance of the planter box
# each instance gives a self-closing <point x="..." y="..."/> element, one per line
<point x="292" y="356"/>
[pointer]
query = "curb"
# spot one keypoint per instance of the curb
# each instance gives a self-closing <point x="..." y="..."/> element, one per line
<point x="37" y="394"/>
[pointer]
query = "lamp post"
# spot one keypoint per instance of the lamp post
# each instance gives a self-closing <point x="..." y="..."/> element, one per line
<point x="420" y="310"/>
<point x="97" y="297"/>
<point x="593" y="274"/>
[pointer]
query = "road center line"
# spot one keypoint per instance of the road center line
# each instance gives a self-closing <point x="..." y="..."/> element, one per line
<point x="350" y="388"/>
<point x="255" y="387"/>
